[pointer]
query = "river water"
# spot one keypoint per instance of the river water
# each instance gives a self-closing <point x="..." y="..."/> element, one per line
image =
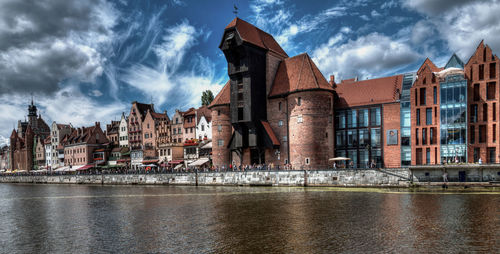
<point x="164" y="219"/>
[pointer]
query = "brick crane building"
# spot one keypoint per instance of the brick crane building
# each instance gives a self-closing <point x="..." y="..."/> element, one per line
<point x="274" y="109"/>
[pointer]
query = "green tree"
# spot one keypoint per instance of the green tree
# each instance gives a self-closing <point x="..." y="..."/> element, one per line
<point x="207" y="97"/>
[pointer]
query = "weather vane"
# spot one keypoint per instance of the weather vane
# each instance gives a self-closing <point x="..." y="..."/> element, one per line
<point x="235" y="11"/>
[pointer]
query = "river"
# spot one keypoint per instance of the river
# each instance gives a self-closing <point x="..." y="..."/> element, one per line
<point x="176" y="219"/>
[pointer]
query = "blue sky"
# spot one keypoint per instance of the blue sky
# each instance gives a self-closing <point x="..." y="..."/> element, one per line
<point x="85" y="61"/>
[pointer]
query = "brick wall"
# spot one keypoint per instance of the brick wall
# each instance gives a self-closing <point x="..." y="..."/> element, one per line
<point x="391" y="121"/>
<point x="483" y="56"/>
<point x="313" y="137"/>
<point x="221" y="117"/>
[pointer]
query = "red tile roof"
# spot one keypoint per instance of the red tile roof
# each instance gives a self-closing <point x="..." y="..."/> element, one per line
<point x="270" y="133"/>
<point x="223" y="98"/>
<point x="255" y="36"/>
<point x="371" y="91"/>
<point x="159" y="115"/>
<point x="204" y="111"/>
<point x="296" y="74"/>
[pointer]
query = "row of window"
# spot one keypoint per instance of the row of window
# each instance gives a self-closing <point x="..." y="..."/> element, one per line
<point x="428" y="116"/>
<point x="361" y="138"/>
<point x="73" y="151"/>
<point x="482" y="133"/>
<point x="474" y="112"/>
<point x="432" y="136"/>
<point x="358" y="118"/>
<point x="481" y="71"/>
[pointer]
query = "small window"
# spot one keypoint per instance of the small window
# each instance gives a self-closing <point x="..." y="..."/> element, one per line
<point x="482" y="133"/>
<point x="220" y="142"/>
<point x="219" y="128"/>
<point x="494" y="111"/>
<point x="299" y="119"/>
<point x="481" y="71"/>
<point x="299" y="101"/>
<point x="218" y="113"/>
<point x="279" y="106"/>
<point x="493" y="68"/>
<point x="491" y="90"/>
<point x="280" y="123"/>
<point x="485" y="112"/>
<point x="285" y="138"/>
<point x="240" y="114"/>
<point x="422" y="96"/>
<point x="435" y="95"/>
<point x="307" y="161"/>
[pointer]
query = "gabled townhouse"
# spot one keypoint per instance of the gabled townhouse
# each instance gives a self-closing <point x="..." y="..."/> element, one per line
<point x="85" y="146"/>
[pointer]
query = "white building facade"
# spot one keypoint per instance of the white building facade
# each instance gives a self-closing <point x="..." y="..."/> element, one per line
<point x="123" y="131"/>
<point x="204" y="129"/>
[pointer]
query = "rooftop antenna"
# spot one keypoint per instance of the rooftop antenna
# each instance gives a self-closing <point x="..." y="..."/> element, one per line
<point x="235" y="11"/>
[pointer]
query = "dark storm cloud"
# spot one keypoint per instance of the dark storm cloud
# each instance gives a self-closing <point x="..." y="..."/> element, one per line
<point x="45" y="42"/>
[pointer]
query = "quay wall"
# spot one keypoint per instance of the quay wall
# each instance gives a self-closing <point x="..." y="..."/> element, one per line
<point x="347" y="178"/>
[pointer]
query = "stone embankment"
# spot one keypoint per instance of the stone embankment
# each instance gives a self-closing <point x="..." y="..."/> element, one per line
<point x="346" y="178"/>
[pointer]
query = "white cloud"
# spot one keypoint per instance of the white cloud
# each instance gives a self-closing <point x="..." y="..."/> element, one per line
<point x="461" y="24"/>
<point x="165" y="80"/>
<point x="434" y="7"/>
<point x="364" y="17"/>
<point x="274" y="18"/>
<point x="96" y="93"/>
<point x="389" y="4"/>
<point x="67" y="105"/>
<point x="4" y="141"/>
<point x="375" y="14"/>
<point x="366" y="57"/>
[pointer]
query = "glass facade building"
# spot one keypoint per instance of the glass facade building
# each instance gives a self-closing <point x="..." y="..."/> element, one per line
<point x="408" y="80"/>
<point x="453" y="111"/>
<point x="358" y="135"/>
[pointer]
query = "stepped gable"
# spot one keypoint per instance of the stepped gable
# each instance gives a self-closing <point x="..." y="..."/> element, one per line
<point x="223" y="97"/>
<point x="367" y="92"/>
<point x="253" y="35"/>
<point x="296" y="74"/>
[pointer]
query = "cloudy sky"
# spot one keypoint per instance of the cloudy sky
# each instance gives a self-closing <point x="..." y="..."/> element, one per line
<point x="85" y="61"/>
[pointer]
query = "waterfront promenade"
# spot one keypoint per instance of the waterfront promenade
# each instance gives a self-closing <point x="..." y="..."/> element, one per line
<point x="399" y="178"/>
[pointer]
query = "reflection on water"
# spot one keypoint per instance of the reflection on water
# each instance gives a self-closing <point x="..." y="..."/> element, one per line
<point x="91" y="219"/>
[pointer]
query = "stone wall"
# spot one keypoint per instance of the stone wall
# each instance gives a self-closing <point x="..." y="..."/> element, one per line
<point x="352" y="178"/>
<point x="456" y="173"/>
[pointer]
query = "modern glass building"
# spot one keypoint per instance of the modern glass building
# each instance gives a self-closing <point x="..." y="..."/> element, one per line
<point x="408" y="80"/>
<point x="358" y="135"/>
<point x="453" y="111"/>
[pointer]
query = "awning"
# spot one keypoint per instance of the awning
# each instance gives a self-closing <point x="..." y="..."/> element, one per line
<point x="123" y="160"/>
<point x="86" y="167"/>
<point x="149" y="161"/>
<point x="175" y="162"/>
<point x="60" y="169"/>
<point x="207" y="145"/>
<point x="270" y="134"/>
<point x="179" y="166"/>
<point x="340" y="159"/>
<point x="198" y="162"/>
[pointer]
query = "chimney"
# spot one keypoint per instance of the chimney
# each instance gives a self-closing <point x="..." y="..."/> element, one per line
<point x="332" y="81"/>
<point x="97" y="124"/>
